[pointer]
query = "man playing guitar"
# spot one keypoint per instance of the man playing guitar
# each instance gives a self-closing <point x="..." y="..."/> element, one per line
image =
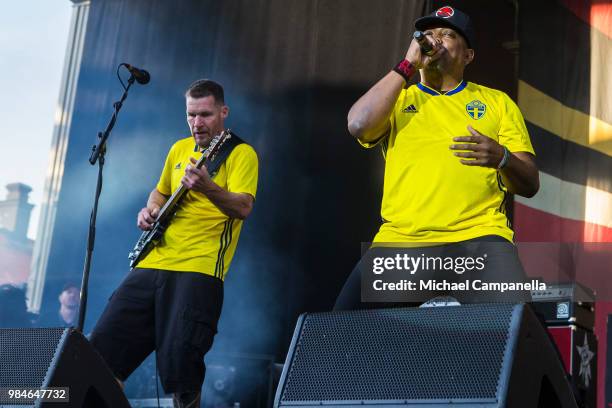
<point x="171" y="300"/>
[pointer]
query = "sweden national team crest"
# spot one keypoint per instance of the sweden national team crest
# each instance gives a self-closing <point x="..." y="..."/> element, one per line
<point x="476" y="109"/>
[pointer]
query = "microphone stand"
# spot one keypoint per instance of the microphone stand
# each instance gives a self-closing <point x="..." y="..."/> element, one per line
<point x="97" y="154"/>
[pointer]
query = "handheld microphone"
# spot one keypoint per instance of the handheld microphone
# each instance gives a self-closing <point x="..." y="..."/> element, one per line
<point x="426" y="47"/>
<point x="140" y="75"/>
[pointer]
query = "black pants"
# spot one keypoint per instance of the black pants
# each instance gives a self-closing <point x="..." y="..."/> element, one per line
<point x="502" y="265"/>
<point x="173" y="313"/>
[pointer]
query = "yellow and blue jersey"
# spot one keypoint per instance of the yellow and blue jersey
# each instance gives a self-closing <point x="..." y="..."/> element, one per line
<point x="201" y="238"/>
<point x="428" y="195"/>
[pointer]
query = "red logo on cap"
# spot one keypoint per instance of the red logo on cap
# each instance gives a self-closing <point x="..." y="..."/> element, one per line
<point x="445" y="12"/>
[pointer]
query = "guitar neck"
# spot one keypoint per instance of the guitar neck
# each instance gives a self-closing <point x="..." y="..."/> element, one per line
<point x="174" y="200"/>
<point x="170" y="207"/>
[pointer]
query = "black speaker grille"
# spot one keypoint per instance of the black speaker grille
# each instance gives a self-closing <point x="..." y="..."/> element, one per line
<point x="26" y="354"/>
<point x="441" y="353"/>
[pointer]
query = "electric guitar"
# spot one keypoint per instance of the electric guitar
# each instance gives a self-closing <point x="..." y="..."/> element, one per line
<point x="150" y="238"/>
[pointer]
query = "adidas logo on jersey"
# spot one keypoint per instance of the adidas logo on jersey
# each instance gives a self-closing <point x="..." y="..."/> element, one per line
<point x="410" y="109"/>
<point x="178" y="166"/>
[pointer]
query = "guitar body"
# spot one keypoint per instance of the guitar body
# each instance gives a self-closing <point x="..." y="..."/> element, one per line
<point x="149" y="239"/>
<point x="146" y="242"/>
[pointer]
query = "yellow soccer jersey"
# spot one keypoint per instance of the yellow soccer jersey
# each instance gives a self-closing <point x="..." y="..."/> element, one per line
<point x="200" y="238"/>
<point x="428" y="195"/>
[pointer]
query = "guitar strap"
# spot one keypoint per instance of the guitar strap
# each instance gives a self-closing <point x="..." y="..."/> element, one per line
<point x="213" y="166"/>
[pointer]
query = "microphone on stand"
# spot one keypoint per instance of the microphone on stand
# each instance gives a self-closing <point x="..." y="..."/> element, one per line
<point x="426" y="47"/>
<point x="140" y="75"/>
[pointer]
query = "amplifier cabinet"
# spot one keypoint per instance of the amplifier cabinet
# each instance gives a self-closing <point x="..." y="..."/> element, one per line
<point x="578" y="351"/>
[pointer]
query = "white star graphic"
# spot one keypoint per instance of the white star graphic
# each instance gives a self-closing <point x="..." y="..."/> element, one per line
<point x="586" y="355"/>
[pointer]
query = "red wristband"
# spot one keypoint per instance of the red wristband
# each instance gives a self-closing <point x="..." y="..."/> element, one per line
<point x="405" y="69"/>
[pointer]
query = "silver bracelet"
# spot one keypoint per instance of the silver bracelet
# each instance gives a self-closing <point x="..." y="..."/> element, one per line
<point x="505" y="159"/>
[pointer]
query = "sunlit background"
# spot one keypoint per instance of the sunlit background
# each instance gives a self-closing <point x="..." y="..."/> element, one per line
<point x="33" y="43"/>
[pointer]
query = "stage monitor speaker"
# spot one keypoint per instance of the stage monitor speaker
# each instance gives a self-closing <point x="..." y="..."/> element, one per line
<point x="58" y="358"/>
<point x="453" y="356"/>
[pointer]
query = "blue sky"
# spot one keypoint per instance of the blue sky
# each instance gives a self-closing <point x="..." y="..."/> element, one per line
<point x="33" y="41"/>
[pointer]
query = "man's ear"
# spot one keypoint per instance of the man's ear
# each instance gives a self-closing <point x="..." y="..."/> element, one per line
<point x="224" y="111"/>
<point x="469" y="56"/>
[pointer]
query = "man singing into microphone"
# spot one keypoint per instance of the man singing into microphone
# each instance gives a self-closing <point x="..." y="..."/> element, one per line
<point x="453" y="149"/>
<point x="172" y="300"/>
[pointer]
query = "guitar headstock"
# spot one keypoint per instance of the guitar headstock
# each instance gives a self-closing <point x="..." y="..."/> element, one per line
<point x="213" y="148"/>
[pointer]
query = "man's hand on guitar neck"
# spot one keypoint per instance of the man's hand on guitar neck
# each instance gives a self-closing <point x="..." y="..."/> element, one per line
<point x="234" y="205"/>
<point x="197" y="179"/>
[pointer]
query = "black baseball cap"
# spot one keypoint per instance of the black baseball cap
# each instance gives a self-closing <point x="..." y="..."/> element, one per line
<point x="448" y="16"/>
